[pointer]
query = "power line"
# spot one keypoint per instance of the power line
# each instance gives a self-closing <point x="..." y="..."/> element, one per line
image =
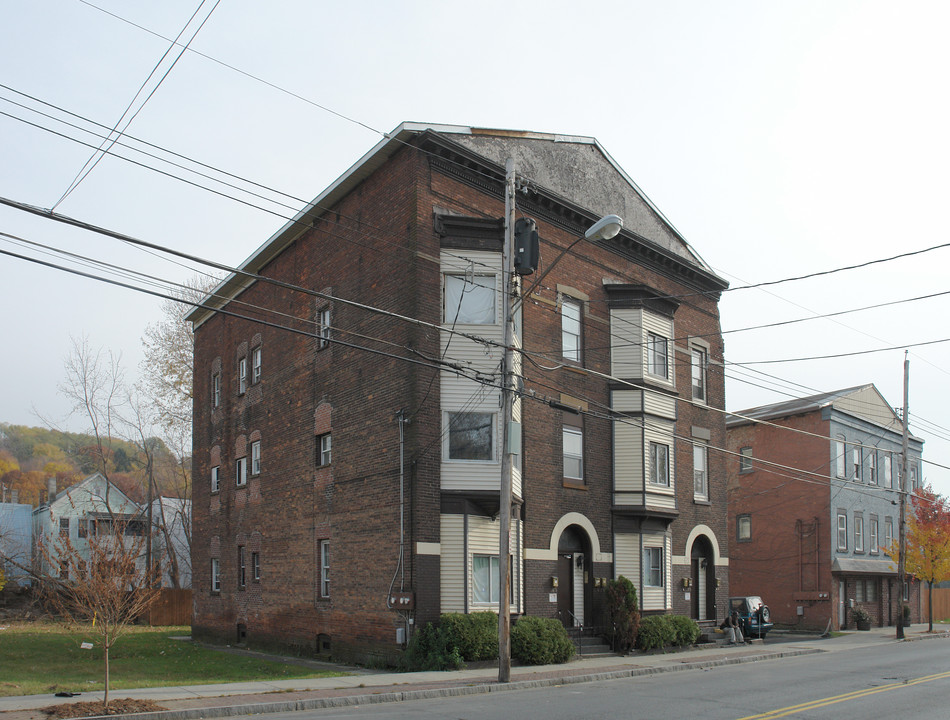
<point x="99" y="153"/>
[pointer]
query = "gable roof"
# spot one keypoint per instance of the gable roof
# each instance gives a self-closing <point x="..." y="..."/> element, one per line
<point x="861" y="401"/>
<point x="573" y="170"/>
<point x="94" y="493"/>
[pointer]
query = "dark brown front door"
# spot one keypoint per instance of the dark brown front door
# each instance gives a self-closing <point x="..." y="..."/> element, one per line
<point x="565" y="589"/>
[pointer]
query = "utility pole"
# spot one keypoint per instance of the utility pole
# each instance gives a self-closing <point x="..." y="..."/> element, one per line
<point x="504" y="500"/>
<point x="901" y="521"/>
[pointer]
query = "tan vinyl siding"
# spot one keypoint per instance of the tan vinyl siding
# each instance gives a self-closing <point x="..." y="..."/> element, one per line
<point x="660" y="405"/>
<point x="658" y="598"/>
<point x="628" y="456"/>
<point x="452" y="565"/>
<point x="627" y="558"/>
<point x="626" y="343"/>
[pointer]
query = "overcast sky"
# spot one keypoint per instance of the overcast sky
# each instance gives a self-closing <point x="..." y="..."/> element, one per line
<point x="780" y="138"/>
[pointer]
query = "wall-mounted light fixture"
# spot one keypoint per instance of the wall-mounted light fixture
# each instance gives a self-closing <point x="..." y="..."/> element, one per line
<point x="554" y="581"/>
<point x="687" y="582"/>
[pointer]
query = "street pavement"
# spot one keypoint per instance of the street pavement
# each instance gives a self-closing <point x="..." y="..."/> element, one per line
<point x="363" y="687"/>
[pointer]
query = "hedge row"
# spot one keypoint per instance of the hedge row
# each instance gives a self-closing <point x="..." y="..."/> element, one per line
<point x="660" y="631"/>
<point x="461" y="638"/>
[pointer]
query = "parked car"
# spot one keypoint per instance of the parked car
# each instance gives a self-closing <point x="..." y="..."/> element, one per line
<point x="753" y="614"/>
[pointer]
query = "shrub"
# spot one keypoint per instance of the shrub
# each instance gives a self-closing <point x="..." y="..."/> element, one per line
<point x="906" y="614"/>
<point x="540" y="641"/>
<point x="622" y="609"/>
<point x="429" y="650"/>
<point x="655" y="633"/>
<point x="475" y="635"/>
<point x="685" y="630"/>
<point x="860" y="615"/>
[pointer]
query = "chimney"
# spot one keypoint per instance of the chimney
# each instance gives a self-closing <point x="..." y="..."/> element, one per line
<point x="51" y="488"/>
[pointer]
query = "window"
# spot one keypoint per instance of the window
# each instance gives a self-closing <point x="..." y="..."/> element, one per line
<point x="470" y="436"/>
<point x="659" y="464"/>
<point x="744" y="528"/>
<point x="485" y="578"/>
<point x="215" y="479"/>
<point x="242" y="376"/>
<point x="324" y="568"/>
<point x="700" y="480"/>
<point x="657" y="355"/>
<point x="859" y="595"/>
<point x="242" y="567"/>
<point x="888" y="471"/>
<point x="256" y="566"/>
<point x="840" y="469"/>
<point x="872" y="467"/>
<point x="858" y="532"/>
<point x="870" y="590"/>
<point x="913" y="475"/>
<point x="888" y="534"/>
<point x="571" y="330"/>
<point x="215" y="575"/>
<point x="872" y="535"/>
<point x="323" y="328"/>
<point x="653" y="567"/>
<point x="256" y="457"/>
<point x="469" y="301"/>
<point x="905" y="595"/>
<point x="64" y="527"/>
<point x="842" y="531"/>
<point x="256" y="365"/>
<point x="216" y="390"/>
<point x="323" y="450"/>
<point x="241" y="471"/>
<point x="856" y="463"/>
<point x="745" y="459"/>
<point x="573" y="449"/>
<point x="699" y="374"/>
<point x="82" y="528"/>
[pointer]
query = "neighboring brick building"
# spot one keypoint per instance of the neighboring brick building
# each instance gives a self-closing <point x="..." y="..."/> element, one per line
<point x="813" y="503"/>
<point x="347" y="437"/>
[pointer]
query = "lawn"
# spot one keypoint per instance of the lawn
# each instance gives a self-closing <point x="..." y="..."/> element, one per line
<point x="38" y="658"/>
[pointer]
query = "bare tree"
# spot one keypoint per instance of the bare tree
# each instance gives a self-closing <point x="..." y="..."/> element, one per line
<point x="100" y="579"/>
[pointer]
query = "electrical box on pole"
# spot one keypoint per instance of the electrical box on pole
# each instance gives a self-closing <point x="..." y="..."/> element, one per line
<point x="526" y="248"/>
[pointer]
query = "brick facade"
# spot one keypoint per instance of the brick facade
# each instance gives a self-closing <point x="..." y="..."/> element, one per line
<point x="788" y="497"/>
<point x="376" y="242"/>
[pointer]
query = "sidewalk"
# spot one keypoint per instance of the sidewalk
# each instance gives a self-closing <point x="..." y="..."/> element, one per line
<point x="368" y="687"/>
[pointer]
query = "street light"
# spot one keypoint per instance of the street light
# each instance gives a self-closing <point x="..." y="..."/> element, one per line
<point x="604" y="229"/>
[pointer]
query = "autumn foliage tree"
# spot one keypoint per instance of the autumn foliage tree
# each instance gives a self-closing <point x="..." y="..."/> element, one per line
<point x="927" y="555"/>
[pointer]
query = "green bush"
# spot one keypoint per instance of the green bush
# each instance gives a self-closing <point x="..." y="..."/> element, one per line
<point x="624" y="614"/>
<point x="906" y="614"/>
<point x="660" y="631"/>
<point x="429" y="650"/>
<point x="540" y="641"/>
<point x="685" y="630"/>
<point x="474" y="635"/>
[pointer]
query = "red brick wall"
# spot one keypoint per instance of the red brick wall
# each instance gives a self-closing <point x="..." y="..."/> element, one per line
<point x="780" y="562"/>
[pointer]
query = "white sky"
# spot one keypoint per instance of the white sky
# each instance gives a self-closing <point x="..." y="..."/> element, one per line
<point x="779" y="138"/>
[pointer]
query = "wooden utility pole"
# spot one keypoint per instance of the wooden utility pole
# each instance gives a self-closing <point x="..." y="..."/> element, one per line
<point x="901" y="521"/>
<point x="504" y="500"/>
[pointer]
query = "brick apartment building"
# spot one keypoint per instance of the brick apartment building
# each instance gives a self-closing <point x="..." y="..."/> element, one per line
<point x="813" y="503"/>
<point x="347" y="431"/>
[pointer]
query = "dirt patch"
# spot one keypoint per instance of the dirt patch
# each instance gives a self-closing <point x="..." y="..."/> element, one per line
<point x="98" y="708"/>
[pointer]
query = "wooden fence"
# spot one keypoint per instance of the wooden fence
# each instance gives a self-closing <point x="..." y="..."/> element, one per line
<point x="171" y="607"/>
<point x="941" y="603"/>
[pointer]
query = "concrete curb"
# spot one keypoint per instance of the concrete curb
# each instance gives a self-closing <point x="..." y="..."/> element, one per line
<point x="454" y="691"/>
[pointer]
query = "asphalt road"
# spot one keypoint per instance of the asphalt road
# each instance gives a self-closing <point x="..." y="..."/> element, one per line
<point x="904" y="680"/>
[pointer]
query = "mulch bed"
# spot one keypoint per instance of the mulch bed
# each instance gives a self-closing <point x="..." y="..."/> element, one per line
<point x="121" y="706"/>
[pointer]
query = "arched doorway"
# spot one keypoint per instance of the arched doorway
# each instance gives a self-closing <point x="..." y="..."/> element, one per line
<point x="573" y="575"/>
<point x="703" y="574"/>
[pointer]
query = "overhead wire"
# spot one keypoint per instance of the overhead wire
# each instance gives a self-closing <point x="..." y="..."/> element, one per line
<point x="99" y="153"/>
